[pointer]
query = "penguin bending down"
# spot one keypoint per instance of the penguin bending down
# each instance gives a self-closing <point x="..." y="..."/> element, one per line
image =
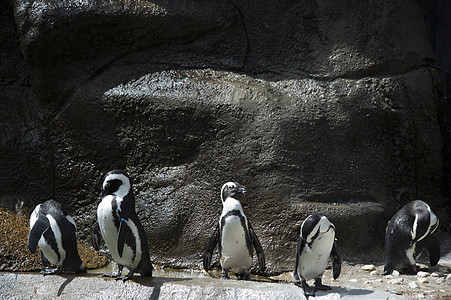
<point x="407" y="234"/>
<point x="316" y="244"/>
<point x="234" y="236"/>
<point x="120" y="228"/>
<point x="54" y="231"/>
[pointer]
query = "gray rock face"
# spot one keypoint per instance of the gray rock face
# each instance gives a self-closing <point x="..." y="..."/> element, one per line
<point x="332" y="110"/>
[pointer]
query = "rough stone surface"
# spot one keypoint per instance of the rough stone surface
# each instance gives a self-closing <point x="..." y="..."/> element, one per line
<point x="333" y="110"/>
<point x="28" y="286"/>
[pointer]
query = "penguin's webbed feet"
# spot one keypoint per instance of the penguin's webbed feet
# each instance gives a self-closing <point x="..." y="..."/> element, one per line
<point x="51" y="271"/>
<point x="308" y="290"/>
<point x="320" y="286"/>
<point x="225" y="274"/>
<point x="127" y="277"/>
<point x="116" y="274"/>
<point x="410" y="270"/>
<point x="243" y="276"/>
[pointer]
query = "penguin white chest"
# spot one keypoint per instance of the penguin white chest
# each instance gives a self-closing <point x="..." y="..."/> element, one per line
<point x="234" y="253"/>
<point x="108" y="229"/>
<point x="313" y="260"/>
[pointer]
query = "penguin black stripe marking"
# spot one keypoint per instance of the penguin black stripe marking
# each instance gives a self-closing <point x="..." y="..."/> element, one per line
<point x="235" y="236"/>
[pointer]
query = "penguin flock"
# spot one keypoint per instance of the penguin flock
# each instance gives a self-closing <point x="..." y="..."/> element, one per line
<point x="408" y="234"/>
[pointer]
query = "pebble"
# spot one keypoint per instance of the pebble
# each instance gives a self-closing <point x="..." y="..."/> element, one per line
<point x="353" y="280"/>
<point x="396" y="281"/>
<point x="423" y="274"/>
<point x="374" y="273"/>
<point x="435" y="274"/>
<point x="440" y="280"/>
<point x="368" y="282"/>
<point x="395" y="273"/>
<point x="413" y="285"/>
<point x="368" y="268"/>
<point x="389" y="277"/>
<point x="448" y="277"/>
<point x="423" y="280"/>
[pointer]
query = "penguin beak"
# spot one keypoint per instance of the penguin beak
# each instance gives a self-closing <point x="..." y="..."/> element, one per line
<point x="242" y="190"/>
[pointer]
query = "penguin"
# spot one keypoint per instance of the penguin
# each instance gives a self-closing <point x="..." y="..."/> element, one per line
<point x="120" y="228"/>
<point x="54" y="231"/>
<point x="234" y="236"/>
<point x="408" y="232"/>
<point x="316" y="244"/>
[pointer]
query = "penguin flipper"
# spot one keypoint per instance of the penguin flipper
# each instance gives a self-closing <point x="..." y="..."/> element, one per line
<point x="299" y="247"/>
<point x="95" y="235"/>
<point x="39" y="227"/>
<point x="210" y="248"/>
<point x="258" y="249"/>
<point x="336" y="262"/>
<point x="433" y="247"/>
<point x="122" y="236"/>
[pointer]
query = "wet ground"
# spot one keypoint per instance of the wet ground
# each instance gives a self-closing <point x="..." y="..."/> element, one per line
<point x="429" y="283"/>
<point x="357" y="281"/>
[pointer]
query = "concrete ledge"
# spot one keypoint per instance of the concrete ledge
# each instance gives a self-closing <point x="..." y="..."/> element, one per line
<point x="92" y="286"/>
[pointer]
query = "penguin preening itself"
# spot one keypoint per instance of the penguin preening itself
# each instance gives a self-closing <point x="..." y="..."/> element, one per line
<point x="54" y="231"/>
<point x="316" y="244"/>
<point x="234" y="236"/>
<point x="407" y="234"/>
<point x="120" y="228"/>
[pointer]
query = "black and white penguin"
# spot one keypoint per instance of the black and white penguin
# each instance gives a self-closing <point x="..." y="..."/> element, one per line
<point x="120" y="227"/>
<point x="316" y="244"/>
<point x="54" y="231"/>
<point x="234" y="236"/>
<point x="407" y="234"/>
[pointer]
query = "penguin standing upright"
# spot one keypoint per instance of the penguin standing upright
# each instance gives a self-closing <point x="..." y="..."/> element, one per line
<point x="408" y="232"/>
<point x="120" y="227"/>
<point x="54" y="231"/>
<point x="316" y="244"/>
<point x="235" y="236"/>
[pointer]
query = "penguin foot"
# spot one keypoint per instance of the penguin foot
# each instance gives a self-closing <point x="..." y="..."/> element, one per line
<point x="308" y="291"/>
<point x="243" y="276"/>
<point x="51" y="271"/>
<point x="320" y="286"/>
<point x="410" y="270"/>
<point x="116" y="274"/>
<point x="127" y="277"/>
<point x="225" y="274"/>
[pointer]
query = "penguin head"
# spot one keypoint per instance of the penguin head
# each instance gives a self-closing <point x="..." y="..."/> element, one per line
<point x="232" y="190"/>
<point x="315" y="225"/>
<point x="116" y="182"/>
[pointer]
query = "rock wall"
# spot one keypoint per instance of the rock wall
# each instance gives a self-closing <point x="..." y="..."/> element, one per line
<point x="325" y="106"/>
